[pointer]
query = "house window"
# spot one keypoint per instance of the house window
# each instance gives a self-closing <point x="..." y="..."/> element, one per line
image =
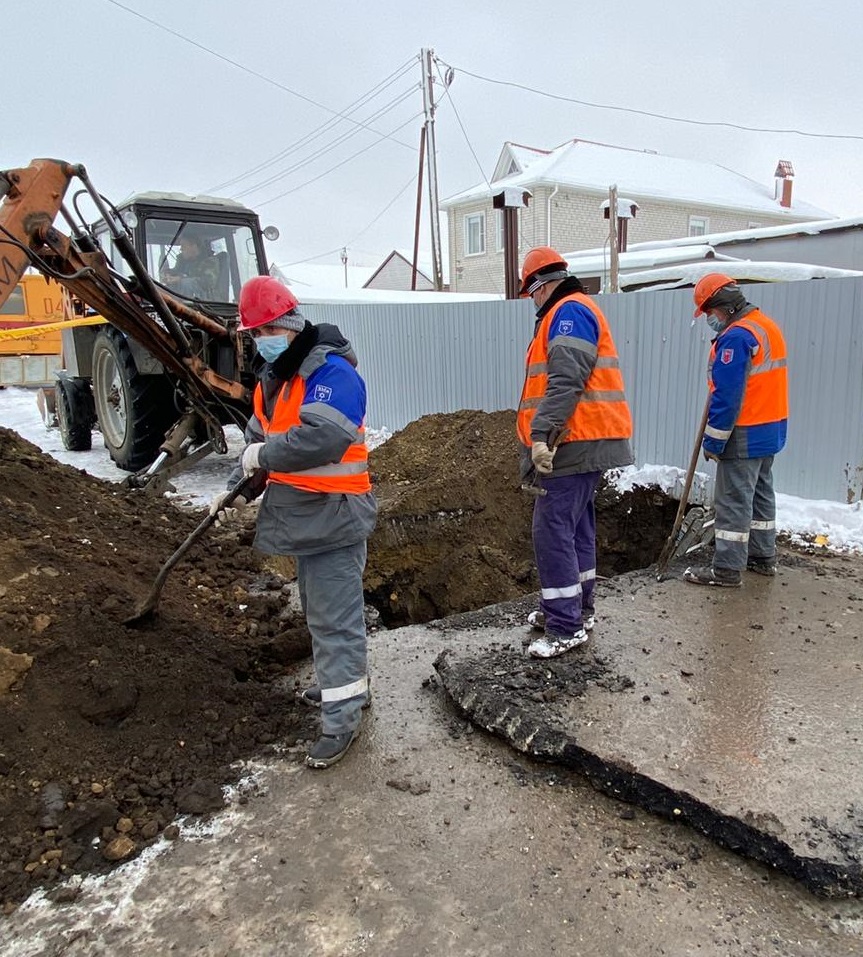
<point x="474" y="234"/>
<point x="699" y="225"/>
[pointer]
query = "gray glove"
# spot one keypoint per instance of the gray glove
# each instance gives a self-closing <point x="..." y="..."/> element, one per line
<point x="542" y="457"/>
<point x="230" y="514"/>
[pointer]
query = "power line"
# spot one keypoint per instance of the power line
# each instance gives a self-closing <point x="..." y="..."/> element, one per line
<point x="327" y="148"/>
<point x="659" y="116"/>
<point x="245" y="69"/>
<point x="320" y="130"/>
<point x="365" y="149"/>
<point x="397" y="196"/>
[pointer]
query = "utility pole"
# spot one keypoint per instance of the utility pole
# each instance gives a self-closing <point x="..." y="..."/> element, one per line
<point x="612" y="238"/>
<point x="345" y="263"/>
<point x="427" y="56"/>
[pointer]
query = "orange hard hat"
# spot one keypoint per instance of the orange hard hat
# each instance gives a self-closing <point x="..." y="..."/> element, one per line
<point x="541" y="259"/>
<point x="263" y="299"/>
<point x="706" y="287"/>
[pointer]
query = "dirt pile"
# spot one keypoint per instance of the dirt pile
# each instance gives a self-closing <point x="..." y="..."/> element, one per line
<point x="111" y="731"/>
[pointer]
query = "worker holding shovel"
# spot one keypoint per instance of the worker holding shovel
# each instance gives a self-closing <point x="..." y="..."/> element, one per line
<point x="306" y="448"/>
<point x="747" y="423"/>
<point x="573" y="423"/>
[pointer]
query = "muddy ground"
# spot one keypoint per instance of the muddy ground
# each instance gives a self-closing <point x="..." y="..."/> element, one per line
<point x="108" y="732"/>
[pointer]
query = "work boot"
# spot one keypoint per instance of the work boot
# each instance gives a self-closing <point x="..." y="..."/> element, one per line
<point x="330" y="748"/>
<point x="312" y="697"/>
<point x="551" y="646"/>
<point x="705" y="575"/>
<point x="762" y="566"/>
<point x="536" y="620"/>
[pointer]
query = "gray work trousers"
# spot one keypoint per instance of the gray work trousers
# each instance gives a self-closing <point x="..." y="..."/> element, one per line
<point x="331" y="593"/>
<point x="745" y="506"/>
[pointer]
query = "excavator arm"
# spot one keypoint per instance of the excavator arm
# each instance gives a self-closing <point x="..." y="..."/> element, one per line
<point x="32" y="199"/>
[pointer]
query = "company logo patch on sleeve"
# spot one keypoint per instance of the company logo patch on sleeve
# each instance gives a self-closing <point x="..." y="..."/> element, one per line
<point x="565" y="327"/>
<point x="323" y="393"/>
<point x="726" y="356"/>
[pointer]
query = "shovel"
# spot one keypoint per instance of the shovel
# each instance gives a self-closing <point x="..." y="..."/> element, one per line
<point x="148" y="607"/>
<point x="670" y="545"/>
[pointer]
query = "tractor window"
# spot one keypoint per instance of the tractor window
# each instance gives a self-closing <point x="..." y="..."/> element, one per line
<point x="208" y="261"/>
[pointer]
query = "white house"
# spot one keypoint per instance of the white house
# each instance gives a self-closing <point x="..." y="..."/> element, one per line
<point x="568" y="184"/>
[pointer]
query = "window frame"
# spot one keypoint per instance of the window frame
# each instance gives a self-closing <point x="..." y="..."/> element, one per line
<point x="704" y="221"/>
<point x="466" y="233"/>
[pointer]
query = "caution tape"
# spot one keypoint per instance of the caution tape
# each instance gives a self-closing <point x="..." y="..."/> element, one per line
<point x="31" y="332"/>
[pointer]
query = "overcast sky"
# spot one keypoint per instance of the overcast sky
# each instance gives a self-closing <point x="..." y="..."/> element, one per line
<point x="144" y="109"/>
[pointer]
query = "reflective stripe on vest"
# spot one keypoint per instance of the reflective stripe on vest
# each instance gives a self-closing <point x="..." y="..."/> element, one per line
<point x="765" y="396"/>
<point x="602" y="411"/>
<point x="349" y="476"/>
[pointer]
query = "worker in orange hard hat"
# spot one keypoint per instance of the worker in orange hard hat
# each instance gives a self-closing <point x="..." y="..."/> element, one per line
<point x="573" y="423"/>
<point x="747" y="425"/>
<point x="306" y="450"/>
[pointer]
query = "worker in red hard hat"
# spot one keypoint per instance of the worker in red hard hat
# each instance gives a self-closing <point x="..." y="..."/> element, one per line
<point x="747" y="424"/>
<point x="306" y="448"/>
<point x="573" y="423"/>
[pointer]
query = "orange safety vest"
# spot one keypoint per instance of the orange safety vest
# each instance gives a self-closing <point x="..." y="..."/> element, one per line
<point x="602" y="411"/>
<point x="765" y="396"/>
<point x="350" y="476"/>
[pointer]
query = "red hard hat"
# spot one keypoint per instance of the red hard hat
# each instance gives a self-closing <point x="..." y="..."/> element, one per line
<point x="540" y="258"/>
<point x="263" y="299"/>
<point x="706" y="287"/>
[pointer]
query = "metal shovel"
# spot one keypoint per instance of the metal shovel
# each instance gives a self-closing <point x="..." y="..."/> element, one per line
<point x="670" y="547"/>
<point x="148" y="607"/>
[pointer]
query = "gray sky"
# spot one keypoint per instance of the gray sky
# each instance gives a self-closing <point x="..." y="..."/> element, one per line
<point x="144" y="109"/>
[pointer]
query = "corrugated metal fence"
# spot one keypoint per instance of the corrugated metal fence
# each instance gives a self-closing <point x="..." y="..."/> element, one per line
<point x="420" y="359"/>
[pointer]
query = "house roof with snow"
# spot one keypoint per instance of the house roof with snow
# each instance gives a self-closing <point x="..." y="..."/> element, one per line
<point x="813" y="228"/>
<point x="640" y="174"/>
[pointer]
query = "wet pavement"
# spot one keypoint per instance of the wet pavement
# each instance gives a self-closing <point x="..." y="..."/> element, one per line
<point x="434" y="838"/>
<point x="738" y="711"/>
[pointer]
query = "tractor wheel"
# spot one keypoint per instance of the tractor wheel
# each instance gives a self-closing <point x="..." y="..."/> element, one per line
<point x="134" y="410"/>
<point x="76" y="415"/>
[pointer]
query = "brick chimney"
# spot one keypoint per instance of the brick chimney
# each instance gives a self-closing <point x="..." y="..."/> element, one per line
<point x="784" y="182"/>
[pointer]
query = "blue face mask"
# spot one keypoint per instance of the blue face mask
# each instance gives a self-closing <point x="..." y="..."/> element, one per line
<point x="717" y="325"/>
<point x="271" y="347"/>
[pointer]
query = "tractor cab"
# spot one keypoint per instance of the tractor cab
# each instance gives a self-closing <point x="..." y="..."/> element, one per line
<point x="200" y="248"/>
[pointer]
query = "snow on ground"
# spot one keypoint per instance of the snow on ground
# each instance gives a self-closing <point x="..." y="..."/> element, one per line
<point x="832" y="525"/>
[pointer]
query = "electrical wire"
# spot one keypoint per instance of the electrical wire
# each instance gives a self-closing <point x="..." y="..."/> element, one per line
<point x="327" y="148"/>
<point x="397" y="196"/>
<point x="486" y="264"/>
<point x="320" y="130"/>
<point x="657" y="116"/>
<point x="245" y="69"/>
<point x="365" y="149"/>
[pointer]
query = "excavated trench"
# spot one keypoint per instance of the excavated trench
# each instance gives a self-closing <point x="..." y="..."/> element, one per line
<point x="454" y="530"/>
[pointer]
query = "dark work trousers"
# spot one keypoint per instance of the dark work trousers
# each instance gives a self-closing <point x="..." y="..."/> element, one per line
<point x="564" y="543"/>
<point x="331" y="593"/>
<point x="745" y="506"/>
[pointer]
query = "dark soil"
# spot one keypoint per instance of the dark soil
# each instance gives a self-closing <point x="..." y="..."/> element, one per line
<point x="108" y="732"/>
<point x="454" y="531"/>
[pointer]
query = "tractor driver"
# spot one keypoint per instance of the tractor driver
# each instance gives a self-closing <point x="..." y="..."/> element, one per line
<point x="196" y="271"/>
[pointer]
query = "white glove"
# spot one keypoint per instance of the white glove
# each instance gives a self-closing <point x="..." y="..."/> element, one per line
<point x="251" y="456"/>
<point x="542" y="457"/>
<point x="229" y="514"/>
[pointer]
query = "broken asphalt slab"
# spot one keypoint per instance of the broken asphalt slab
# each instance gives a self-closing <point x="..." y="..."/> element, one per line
<point x="736" y="711"/>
